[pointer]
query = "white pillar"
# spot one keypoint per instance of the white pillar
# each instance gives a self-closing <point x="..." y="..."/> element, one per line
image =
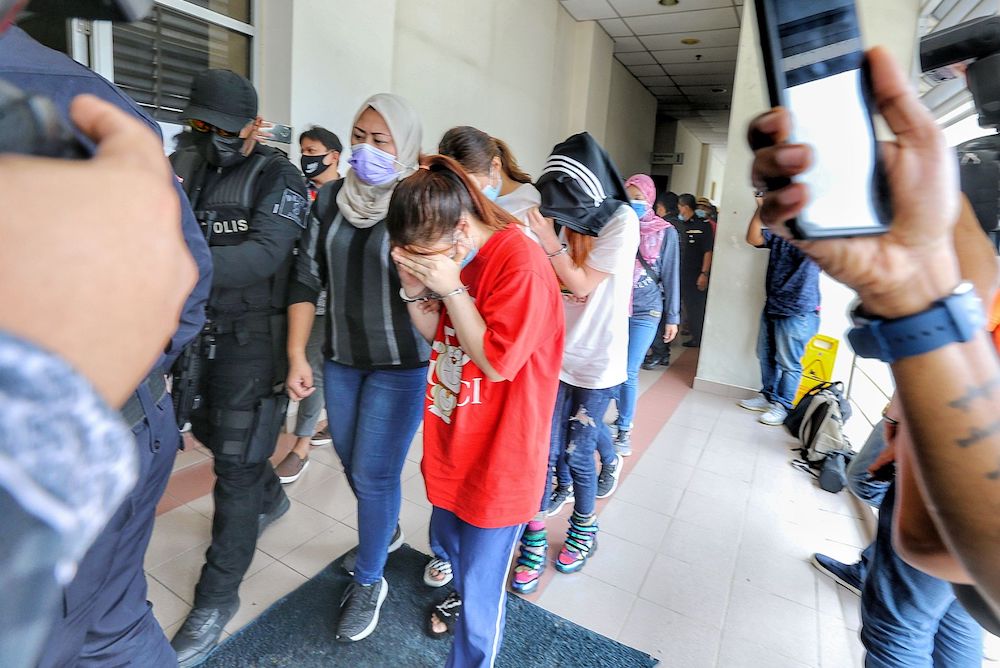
<point x="728" y="362"/>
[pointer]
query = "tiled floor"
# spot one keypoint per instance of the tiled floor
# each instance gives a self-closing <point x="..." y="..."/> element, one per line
<point x="704" y="548"/>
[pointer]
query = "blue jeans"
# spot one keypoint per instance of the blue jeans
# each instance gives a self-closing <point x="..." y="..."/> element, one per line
<point x="911" y="619"/>
<point x="780" y="345"/>
<point x="641" y="332"/>
<point x="872" y="492"/>
<point x="605" y="450"/>
<point x="373" y="417"/>
<point x="577" y="426"/>
<point x="859" y="480"/>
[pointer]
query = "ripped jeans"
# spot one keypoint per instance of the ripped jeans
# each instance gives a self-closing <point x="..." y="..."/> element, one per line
<point x="576" y="428"/>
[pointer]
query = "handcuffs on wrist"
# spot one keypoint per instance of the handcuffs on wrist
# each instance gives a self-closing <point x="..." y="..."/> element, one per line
<point x="431" y="296"/>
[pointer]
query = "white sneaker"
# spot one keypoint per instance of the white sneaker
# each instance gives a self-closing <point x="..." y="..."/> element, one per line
<point x="774" y="417"/>
<point x="758" y="403"/>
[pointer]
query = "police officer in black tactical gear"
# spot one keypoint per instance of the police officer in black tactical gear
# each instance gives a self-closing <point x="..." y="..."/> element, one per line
<point x="251" y="203"/>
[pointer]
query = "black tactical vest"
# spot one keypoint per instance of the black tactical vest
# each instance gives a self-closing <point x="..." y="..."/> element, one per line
<point x="223" y="203"/>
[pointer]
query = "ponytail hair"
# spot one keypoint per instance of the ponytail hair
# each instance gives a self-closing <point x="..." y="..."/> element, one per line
<point x="427" y="206"/>
<point x="475" y="150"/>
<point x="509" y="162"/>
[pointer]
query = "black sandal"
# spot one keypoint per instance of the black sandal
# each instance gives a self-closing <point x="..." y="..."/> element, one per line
<point x="447" y="612"/>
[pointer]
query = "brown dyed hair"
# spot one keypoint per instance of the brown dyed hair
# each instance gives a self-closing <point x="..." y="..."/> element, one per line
<point x="580" y="246"/>
<point x="428" y="205"/>
<point x="475" y="150"/>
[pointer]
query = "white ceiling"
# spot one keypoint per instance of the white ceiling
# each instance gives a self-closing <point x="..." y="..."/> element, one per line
<point x="691" y="82"/>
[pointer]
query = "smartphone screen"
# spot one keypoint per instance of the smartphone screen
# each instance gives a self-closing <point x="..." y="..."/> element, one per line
<point x="819" y="60"/>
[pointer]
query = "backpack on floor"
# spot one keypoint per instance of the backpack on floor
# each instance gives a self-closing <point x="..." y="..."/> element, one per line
<point x="817" y="421"/>
<point x="833" y="474"/>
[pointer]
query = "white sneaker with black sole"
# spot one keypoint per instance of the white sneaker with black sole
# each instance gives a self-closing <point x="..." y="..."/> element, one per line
<point x="359" y="610"/>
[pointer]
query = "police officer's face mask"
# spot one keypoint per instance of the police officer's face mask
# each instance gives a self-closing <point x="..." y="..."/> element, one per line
<point x="220" y="151"/>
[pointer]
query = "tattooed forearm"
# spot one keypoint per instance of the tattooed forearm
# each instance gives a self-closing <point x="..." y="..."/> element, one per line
<point x="979" y="434"/>
<point x="984" y="391"/>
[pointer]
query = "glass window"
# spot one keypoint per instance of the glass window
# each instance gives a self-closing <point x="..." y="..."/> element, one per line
<point x="155" y="60"/>
<point x="236" y="9"/>
<point x="51" y="31"/>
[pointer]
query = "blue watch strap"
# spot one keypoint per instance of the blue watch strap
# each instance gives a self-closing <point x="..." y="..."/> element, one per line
<point x="954" y="319"/>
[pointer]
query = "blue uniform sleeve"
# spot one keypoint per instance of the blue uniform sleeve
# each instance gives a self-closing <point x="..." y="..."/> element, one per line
<point x="670" y="276"/>
<point x="71" y="469"/>
<point x="36" y="69"/>
<point x="768" y="237"/>
<point x="193" y="315"/>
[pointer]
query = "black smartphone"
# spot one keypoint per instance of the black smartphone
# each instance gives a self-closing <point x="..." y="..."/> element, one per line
<point x="815" y="67"/>
<point x="275" y="132"/>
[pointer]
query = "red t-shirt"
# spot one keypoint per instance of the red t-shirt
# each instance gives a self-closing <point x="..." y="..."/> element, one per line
<point x="486" y="444"/>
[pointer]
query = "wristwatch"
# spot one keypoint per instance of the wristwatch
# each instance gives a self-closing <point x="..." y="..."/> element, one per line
<point x="954" y="319"/>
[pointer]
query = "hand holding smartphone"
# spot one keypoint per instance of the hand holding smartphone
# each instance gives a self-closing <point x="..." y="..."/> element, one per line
<point x="815" y="67"/>
<point x="275" y="132"/>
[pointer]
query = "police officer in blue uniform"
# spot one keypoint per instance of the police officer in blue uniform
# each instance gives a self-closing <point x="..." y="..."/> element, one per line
<point x="105" y="618"/>
<point x="253" y="208"/>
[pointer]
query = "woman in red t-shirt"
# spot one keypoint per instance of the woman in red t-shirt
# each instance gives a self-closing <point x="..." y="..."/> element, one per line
<point x="491" y="385"/>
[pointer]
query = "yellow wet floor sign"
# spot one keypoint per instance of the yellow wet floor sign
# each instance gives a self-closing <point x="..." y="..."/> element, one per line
<point x="817" y="363"/>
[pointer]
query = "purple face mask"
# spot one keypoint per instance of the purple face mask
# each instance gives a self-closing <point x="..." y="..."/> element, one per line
<point x="373" y="166"/>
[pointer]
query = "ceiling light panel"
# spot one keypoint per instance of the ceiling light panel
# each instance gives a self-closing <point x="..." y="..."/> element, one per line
<point x="656" y="81"/>
<point x="707" y="19"/>
<point x="637" y="58"/>
<point x="586" y="10"/>
<point x="628" y="45"/>
<point x="615" y="27"/>
<point x="703" y="79"/>
<point x="647" y="70"/>
<point x="722" y="67"/>
<point x="704" y="91"/>
<point x="709" y="38"/>
<point x="643" y="7"/>
<point x="666" y="92"/>
<point x="690" y="54"/>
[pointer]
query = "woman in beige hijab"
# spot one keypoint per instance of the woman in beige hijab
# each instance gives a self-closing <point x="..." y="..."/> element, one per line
<point x="375" y="368"/>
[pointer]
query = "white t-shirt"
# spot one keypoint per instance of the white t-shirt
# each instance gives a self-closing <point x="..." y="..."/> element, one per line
<point x="519" y="202"/>
<point x="596" y="353"/>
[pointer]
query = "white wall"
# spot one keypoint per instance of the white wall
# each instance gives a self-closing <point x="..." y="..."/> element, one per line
<point x="522" y="70"/>
<point x="715" y="173"/>
<point x="506" y="68"/>
<point x="728" y="360"/>
<point x="631" y="125"/>
<point x="274" y="83"/>
<point x="684" y="178"/>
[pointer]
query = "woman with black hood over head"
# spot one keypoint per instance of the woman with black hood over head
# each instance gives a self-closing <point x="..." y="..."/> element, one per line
<point x="593" y="256"/>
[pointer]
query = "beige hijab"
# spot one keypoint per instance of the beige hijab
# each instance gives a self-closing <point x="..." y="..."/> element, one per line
<point x="364" y="205"/>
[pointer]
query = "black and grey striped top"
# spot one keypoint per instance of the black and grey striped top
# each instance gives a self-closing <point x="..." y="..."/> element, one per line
<point x="368" y="325"/>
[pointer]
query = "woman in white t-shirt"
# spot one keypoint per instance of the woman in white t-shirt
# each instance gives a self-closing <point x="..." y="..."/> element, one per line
<point x="593" y="256"/>
<point x="491" y="164"/>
